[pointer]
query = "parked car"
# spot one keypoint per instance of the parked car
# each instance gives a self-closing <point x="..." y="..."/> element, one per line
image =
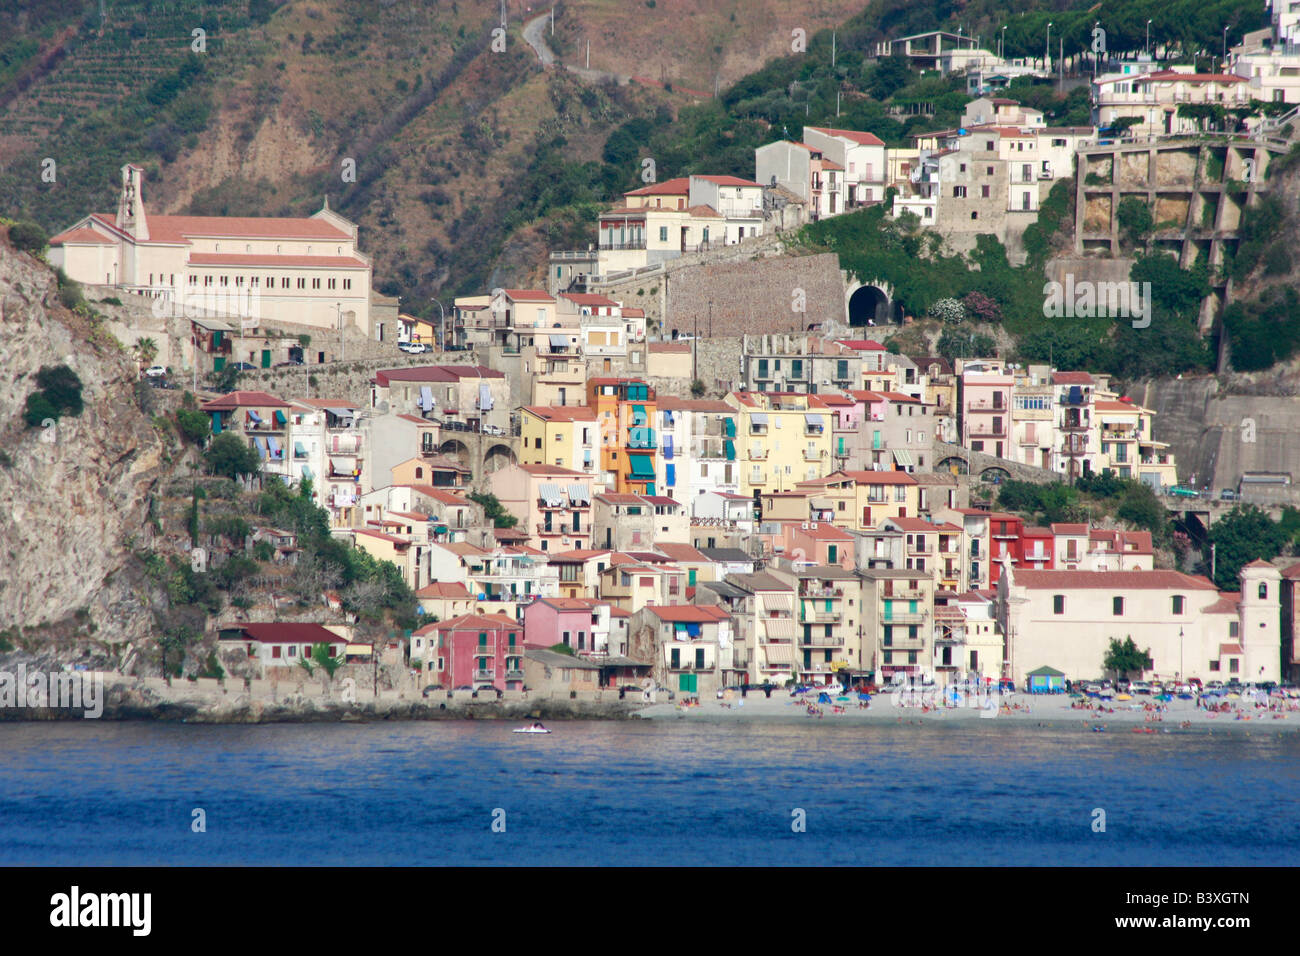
<point x="1181" y="491"/>
<point x="156" y="371"/>
<point x="1228" y="494"/>
<point x="1122" y="685"/>
<point x="493" y="430"/>
<point x="413" y="348"/>
<point x="242" y="367"/>
<point x="431" y="689"/>
<point x="1141" y="687"/>
<point x="1214" y="685"/>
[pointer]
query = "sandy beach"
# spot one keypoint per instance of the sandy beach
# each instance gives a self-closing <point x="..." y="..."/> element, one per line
<point x="1026" y="710"/>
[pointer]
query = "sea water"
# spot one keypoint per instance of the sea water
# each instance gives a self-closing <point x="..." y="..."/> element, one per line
<point x="642" y="792"/>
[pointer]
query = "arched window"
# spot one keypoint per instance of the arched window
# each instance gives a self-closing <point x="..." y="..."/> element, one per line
<point x="1263" y="591"/>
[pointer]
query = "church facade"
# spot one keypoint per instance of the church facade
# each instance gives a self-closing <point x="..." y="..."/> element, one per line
<point x="306" y="271"/>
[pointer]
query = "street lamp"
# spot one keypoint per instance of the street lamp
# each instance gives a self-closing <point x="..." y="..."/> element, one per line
<point x="1047" y="53"/>
<point x="442" y="318"/>
<point x="1146" y="48"/>
<point x="1225" y="48"/>
<point x="1002" y="45"/>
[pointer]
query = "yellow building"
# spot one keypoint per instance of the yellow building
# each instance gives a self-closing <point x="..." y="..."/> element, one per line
<point x="565" y="436"/>
<point x="781" y="441"/>
<point x="863" y="499"/>
<point x="1126" y="443"/>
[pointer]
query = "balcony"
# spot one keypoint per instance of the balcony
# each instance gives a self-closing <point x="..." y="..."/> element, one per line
<point x="514" y="673"/>
<point x="905" y="594"/>
<point x="904" y="617"/>
<point x="621" y="246"/>
<point x="813" y="455"/>
<point x="484" y="675"/>
<point x="981" y="405"/>
<point x="821" y="641"/>
<point x="822" y="617"/>
<point x="758" y="454"/>
<point x="814" y="591"/>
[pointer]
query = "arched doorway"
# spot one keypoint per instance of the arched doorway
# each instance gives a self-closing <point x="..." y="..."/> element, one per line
<point x="457" y="450"/>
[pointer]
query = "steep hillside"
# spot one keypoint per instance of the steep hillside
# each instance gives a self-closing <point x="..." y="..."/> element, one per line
<point x="75" y="495"/>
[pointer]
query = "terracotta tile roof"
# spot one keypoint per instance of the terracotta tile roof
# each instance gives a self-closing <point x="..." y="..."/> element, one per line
<point x="282" y="261"/>
<point x="433" y="373"/>
<point x="84" y="234"/>
<point x="689" y="613"/>
<point x="682" y="552"/>
<point x="728" y="181"/>
<point x="444" y="589"/>
<point x="534" y="468"/>
<point x="241" y="399"/>
<point x="1071" y="378"/>
<point x="562" y="413"/>
<point x="585" y="298"/>
<point x="1068" y="528"/>
<point x="182" y="228"/>
<point x="528" y="295"/>
<point x="680" y="186"/>
<point x="478" y="621"/>
<point x="1158" y="580"/>
<point x="861" y="138"/>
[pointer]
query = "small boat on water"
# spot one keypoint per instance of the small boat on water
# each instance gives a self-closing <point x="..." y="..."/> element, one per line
<point x="531" y="729"/>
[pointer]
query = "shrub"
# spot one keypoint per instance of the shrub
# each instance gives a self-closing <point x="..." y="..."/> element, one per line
<point x="28" y="237"/>
<point x="948" y="310"/>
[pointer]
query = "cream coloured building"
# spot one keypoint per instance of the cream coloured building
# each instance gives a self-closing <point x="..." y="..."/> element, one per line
<point x="303" y="270"/>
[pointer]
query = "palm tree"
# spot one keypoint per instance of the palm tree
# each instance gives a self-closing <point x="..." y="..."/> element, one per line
<point x="147" y="350"/>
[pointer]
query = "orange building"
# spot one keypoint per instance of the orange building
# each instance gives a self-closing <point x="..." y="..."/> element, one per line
<point x="625" y="411"/>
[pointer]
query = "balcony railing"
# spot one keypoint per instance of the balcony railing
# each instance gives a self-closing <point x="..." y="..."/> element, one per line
<point x="904" y="617"/>
<point x="905" y="594"/>
<point x="823" y="617"/>
<point x="514" y="674"/>
<point x="484" y="675"/>
<point x="821" y="641"/>
<point x="813" y="591"/>
<point x="621" y="246"/>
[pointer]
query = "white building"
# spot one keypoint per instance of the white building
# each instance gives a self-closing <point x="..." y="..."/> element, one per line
<point x="306" y="271"/>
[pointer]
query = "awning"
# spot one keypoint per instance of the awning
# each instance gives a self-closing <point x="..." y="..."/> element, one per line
<point x="758" y="418"/>
<point x="552" y="494"/>
<point x="814" y="419"/>
<point x="559" y="342"/>
<point x="261" y="445"/>
<point x="279" y="417"/>
<point x="579" y="495"/>
<point x="670" y="474"/>
<point x="668" y="447"/>
<point x="729" y="447"/>
<point x="642" y="467"/>
<point x="426" y="397"/>
<point x="779" y="654"/>
<point x="274" y="446"/>
<point x="254" y="417"/>
<point x="484" y="398"/>
<point x="299" y="451"/>
<point x="729" y="427"/>
<point x="781" y="603"/>
<point x="306" y="472"/>
<point x="903" y="458"/>
<point x="782" y="628"/>
<point x="638" y="415"/>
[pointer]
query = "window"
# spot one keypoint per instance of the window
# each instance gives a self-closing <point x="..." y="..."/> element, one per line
<point x="1117" y="606"/>
<point x="985" y="192"/>
<point x="1234" y="666"/>
<point x="1058" y="603"/>
<point x="347" y="283"/>
<point x="1214" y="666"/>
<point x="1263" y="591"/>
<point x="663" y="233"/>
<point x="1178" y="604"/>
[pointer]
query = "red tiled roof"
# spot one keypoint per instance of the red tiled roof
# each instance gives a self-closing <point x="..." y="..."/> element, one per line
<point x="281" y="632"/>
<point x="444" y="589"/>
<point x="434" y="373"/>
<point x="529" y="295"/>
<point x="562" y="413"/>
<point x="861" y="345"/>
<point x="1112" y="580"/>
<point x="241" y="399"/>
<point x="249" y="259"/>
<point x="861" y="138"/>
<point x="728" y="181"/>
<point x="689" y="613"/>
<point x="586" y="298"/>
<point x="84" y="234"/>
<point x="534" y="468"/>
<point x="479" y="621"/>
<point x="1071" y="378"/>
<point x="669" y="187"/>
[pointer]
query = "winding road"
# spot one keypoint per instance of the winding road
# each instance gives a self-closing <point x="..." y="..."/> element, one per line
<point x="546" y="56"/>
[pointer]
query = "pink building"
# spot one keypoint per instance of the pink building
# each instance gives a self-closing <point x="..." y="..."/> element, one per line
<point x="984" y="397"/>
<point x="476" y="650"/>
<point x="561" y="620"/>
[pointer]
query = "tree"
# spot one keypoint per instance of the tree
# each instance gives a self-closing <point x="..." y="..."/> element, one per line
<point x="320" y="653"/>
<point x="562" y="649"/>
<point x="1244" y="534"/>
<point x="193" y="425"/>
<point x="28" y="237"/>
<point x="494" y="510"/>
<point x="147" y="349"/>
<point x="697" y="389"/>
<point x="1141" y="507"/>
<point x="230" y="457"/>
<point x="1125" y="658"/>
<point x="1134" y="219"/>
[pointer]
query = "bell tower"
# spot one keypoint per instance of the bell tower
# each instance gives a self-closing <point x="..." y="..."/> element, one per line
<point x="130" y="204"/>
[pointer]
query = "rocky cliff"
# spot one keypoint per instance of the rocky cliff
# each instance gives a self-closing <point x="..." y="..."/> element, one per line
<point x="74" y="497"/>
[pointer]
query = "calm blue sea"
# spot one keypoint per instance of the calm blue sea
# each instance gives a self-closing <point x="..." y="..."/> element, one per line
<point x="101" y="793"/>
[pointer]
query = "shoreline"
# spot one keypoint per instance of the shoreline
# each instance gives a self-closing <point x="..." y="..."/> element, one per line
<point x="129" y="699"/>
